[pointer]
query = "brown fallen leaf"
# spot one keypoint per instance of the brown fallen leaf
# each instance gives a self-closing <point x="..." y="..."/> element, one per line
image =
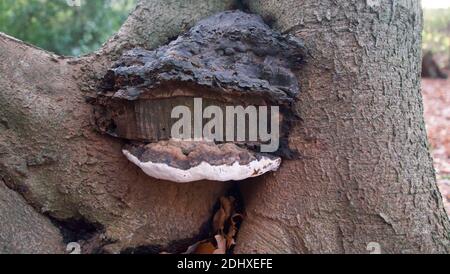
<point x="225" y="226"/>
<point x="223" y="214"/>
<point x="205" y="247"/>
<point x="232" y="230"/>
<point x="219" y="220"/>
<point x="227" y="205"/>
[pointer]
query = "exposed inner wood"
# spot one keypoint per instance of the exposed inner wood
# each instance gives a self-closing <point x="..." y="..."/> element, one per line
<point x="149" y="120"/>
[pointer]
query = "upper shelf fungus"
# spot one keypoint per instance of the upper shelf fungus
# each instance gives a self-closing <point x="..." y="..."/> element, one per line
<point x="231" y="58"/>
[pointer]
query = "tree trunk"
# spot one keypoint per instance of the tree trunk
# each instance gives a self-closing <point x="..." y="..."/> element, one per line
<point x="365" y="174"/>
<point x="51" y="154"/>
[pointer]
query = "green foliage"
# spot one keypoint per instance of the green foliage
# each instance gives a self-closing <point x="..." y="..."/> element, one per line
<point x="68" y="30"/>
<point x="436" y="31"/>
<point x="56" y="26"/>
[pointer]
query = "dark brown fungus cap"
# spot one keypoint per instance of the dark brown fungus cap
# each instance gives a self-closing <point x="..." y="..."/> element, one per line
<point x="230" y="52"/>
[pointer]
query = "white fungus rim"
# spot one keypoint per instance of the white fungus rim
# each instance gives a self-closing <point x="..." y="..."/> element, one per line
<point x="206" y="171"/>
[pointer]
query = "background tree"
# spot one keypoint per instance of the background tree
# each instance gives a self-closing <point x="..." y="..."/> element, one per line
<point x="436" y="34"/>
<point x="60" y="28"/>
<point x="365" y="174"/>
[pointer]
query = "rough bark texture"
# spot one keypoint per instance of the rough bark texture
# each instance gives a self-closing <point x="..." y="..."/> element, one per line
<point x="51" y="154"/>
<point x="366" y="175"/>
<point x="16" y="218"/>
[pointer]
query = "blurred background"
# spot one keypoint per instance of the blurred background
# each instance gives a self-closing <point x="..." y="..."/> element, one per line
<point x="61" y="26"/>
<point x="66" y="28"/>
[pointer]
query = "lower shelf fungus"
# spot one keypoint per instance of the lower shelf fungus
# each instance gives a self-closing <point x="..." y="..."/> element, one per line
<point x="185" y="161"/>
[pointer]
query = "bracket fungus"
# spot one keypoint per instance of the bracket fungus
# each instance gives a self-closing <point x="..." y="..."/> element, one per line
<point x="181" y="161"/>
<point x="229" y="59"/>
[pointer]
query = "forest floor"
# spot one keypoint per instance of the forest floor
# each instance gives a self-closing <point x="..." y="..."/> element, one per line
<point x="436" y="97"/>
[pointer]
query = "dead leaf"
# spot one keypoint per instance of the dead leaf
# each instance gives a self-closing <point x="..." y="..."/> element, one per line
<point x="223" y="214"/>
<point x="237" y="217"/>
<point x="232" y="230"/>
<point x="205" y="248"/>
<point x="227" y="205"/>
<point x="219" y="220"/>
<point x="225" y="226"/>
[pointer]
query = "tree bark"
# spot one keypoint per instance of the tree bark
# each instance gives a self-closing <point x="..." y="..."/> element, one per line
<point x="16" y="218"/>
<point x="51" y="154"/>
<point x="365" y="175"/>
